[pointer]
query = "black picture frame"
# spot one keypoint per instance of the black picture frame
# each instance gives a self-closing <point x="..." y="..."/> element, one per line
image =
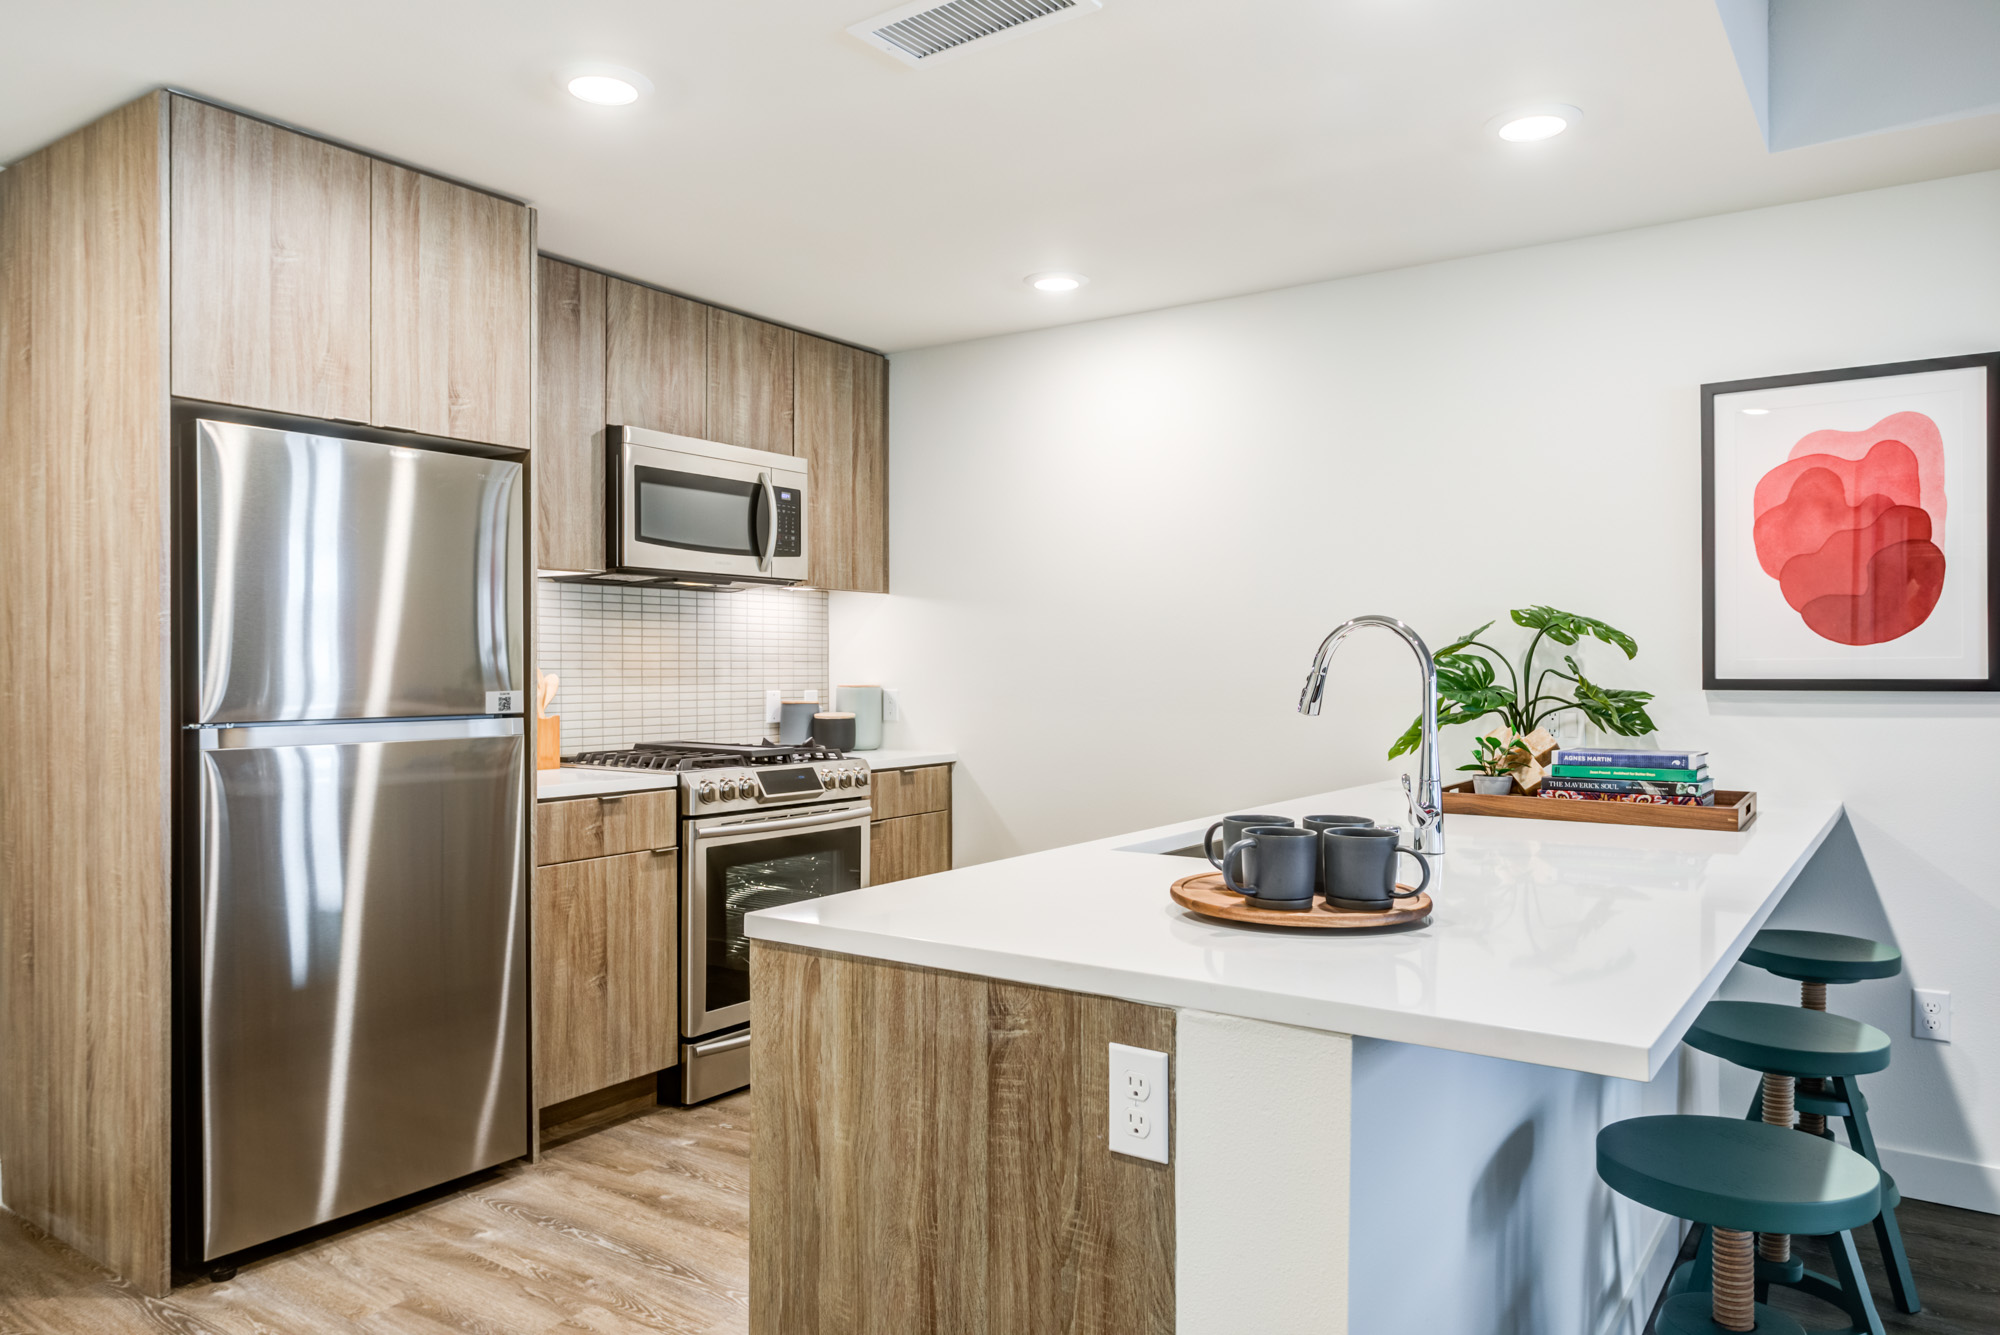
<point x="1991" y="681"/>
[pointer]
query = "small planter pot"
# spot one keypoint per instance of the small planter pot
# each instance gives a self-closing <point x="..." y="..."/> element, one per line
<point x="1493" y="785"/>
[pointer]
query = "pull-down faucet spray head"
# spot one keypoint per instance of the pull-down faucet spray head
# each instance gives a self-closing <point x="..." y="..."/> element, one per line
<point x="1427" y="797"/>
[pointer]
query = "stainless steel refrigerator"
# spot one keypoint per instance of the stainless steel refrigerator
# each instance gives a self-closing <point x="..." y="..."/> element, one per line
<point x="353" y="899"/>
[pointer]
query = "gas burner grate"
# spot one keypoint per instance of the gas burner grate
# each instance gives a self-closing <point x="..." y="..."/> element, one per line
<point x="681" y="757"/>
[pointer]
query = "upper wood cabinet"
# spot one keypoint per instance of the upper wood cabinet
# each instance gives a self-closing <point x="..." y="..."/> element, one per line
<point x="842" y="396"/>
<point x="616" y="352"/>
<point x="569" y="417"/>
<point x="451" y="281"/>
<point x="269" y="245"/>
<point x="655" y="362"/>
<point x="750" y="385"/>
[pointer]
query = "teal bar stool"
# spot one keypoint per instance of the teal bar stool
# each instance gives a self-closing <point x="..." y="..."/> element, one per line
<point x="1736" y="1178"/>
<point x="1814" y="960"/>
<point x="1786" y="1044"/>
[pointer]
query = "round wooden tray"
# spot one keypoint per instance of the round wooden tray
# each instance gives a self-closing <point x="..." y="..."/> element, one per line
<point x="1207" y="895"/>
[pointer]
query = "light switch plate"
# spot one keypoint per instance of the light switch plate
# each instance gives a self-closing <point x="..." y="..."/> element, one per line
<point x="892" y="705"/>
<point x="1140" y="1097"/>
<point x="774" y="706"/>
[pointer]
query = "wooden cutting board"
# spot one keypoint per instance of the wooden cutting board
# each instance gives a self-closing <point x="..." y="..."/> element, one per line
<point x="1207" y="895"/>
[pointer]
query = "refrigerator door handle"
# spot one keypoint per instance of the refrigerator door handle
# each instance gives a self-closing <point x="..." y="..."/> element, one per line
<point x="256" y="736"/>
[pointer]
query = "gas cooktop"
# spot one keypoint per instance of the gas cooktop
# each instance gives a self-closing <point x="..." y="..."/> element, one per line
<point x="682" y="757"/>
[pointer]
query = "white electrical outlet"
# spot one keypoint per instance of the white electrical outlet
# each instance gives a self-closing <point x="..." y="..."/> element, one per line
<point x="1930" y="1013"/>
<point x="774" y="706"/>
<point x="892" y="705"/>
<point x="1138" y="1098"/>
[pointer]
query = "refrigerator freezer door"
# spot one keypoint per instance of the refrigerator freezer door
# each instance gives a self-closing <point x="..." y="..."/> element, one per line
<point x="340" y="578"/>
<point x="362" y="966"/>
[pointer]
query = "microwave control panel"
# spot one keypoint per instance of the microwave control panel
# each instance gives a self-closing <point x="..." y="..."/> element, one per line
<point x="790" y="503"/>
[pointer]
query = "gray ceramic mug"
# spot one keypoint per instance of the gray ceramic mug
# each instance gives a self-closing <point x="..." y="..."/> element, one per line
<point x="1232" y="828"/>
<point x="1318" y="823"/>
<point x="1358" y="864"/>
<point x="1278" y="864"/>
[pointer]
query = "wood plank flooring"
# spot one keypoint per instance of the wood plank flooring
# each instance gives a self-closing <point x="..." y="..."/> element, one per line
<point x="641" y="1226"/>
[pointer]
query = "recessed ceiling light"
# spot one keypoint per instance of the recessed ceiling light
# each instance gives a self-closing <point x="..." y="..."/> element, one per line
<point x="1530" y="124"/>
<point x="605" y="85"/>
<point x="1755" y="412"/>
<point x="1055" y="282"/>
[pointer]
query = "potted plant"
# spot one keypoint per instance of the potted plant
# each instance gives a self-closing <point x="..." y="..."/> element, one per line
<point x="1494" y="763"/>
<point x="1469" y="686"/>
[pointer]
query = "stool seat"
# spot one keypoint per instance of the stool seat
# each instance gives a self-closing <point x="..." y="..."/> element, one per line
<point x="1739" y="1175"/>
<point x="1822" y="957"/>
<point x="1788" y="1040"/>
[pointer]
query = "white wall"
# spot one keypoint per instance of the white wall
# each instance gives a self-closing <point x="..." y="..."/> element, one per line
<point x="1116" y="545"/>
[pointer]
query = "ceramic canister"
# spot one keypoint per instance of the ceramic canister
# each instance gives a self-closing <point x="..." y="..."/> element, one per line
<point x="795" y="721"/>
<point x="865" y="703"/>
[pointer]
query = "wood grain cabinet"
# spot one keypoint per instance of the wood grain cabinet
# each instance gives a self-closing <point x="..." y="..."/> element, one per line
<point x="615" y="352"/>
<point x="451" y="278"/>
<point x="655" y="362"/>
<point x="569" y="416"/>
<point x="750" y="382"/>
<point x="604" y="972"/>
<point x="269" y="254"/>
<point x="911" y="832"/>
<point x="842" y="414"/>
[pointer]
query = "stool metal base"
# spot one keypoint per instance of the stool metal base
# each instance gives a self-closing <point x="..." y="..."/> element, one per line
<point x="1842" y="1098"/>
<point x="1846" y="1290"/>
<point x="1688" y="1314"/>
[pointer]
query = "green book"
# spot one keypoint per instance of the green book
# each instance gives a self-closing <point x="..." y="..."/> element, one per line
<point x="1619" y="772"/>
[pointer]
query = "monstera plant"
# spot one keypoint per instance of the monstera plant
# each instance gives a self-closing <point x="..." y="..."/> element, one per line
<point x="1469" y="685"/>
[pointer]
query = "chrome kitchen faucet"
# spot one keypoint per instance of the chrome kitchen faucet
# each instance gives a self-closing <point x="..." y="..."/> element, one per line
<point x="1427" y="799"/>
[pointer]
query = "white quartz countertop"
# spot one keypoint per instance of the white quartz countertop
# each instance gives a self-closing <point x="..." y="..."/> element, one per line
<point x="552" y="785"/>
<point x="907" y="759"/>
<point x="1589" y="947"/>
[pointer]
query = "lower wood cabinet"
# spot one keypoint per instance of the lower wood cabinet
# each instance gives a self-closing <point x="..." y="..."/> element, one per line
<point x="909" y="846"/>
<point x="911" y="834"/>
<point x="605" y="974"/>
<point x="930" y="1156"/>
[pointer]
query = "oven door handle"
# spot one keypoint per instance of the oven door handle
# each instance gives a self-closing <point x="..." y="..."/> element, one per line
<point x="703" y="830"/>
<point x="770" y="552"/>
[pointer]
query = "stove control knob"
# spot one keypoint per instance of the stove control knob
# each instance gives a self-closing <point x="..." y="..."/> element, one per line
<point x="706" y="792"/>
<point x="729" y="790"/>
<point x="846" y="780"/>
<point x="861" y="778"/>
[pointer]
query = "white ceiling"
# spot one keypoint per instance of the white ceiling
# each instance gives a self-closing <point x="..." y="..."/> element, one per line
<point x="1171" y="150"/>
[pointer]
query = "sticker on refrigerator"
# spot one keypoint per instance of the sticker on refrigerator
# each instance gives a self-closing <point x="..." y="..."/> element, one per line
<point x="503" y="702"/>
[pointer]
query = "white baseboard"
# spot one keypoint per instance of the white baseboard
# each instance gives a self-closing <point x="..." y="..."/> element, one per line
<point x="1932" y="1177"/>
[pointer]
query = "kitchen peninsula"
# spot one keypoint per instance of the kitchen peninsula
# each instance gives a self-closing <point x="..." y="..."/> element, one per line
<point x="1369" y="1132"/>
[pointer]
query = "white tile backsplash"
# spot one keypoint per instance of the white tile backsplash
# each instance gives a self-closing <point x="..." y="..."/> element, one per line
<point x="650" y="665"/>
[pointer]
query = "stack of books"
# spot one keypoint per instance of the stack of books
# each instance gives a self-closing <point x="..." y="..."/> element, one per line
<point x="1675" y="778"/>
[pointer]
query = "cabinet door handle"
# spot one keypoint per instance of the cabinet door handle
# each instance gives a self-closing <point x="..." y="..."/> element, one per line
<point x="615" y="797"/>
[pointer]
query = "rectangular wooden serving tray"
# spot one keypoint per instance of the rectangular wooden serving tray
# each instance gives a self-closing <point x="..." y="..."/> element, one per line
<point x="1733" y="810"/>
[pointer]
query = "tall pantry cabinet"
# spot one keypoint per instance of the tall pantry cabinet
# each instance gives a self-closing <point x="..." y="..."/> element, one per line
<point x="175" y="249"/>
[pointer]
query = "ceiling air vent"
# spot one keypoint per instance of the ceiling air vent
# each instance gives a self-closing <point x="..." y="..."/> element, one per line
<point x="925" y="33"/>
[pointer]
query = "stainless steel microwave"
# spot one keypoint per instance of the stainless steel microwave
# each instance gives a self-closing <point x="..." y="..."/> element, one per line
<point x="681" y="510"/>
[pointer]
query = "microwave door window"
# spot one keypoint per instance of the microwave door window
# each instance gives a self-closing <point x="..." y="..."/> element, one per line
<point x="695" y="512"/>
<point x="762" y="874"/>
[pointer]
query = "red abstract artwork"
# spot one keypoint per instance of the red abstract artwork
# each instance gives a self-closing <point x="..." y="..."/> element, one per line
<point x="1850" y="526"/>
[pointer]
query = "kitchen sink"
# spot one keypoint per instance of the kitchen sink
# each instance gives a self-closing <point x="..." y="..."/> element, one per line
<point x="1186" y="844"/>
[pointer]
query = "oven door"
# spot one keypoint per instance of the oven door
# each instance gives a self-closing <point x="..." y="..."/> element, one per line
<point x="696" y="507"/>
<point x="739" y="864"/>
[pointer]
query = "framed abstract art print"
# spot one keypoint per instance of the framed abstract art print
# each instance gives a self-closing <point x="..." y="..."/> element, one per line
<point x="1847" y="529"/>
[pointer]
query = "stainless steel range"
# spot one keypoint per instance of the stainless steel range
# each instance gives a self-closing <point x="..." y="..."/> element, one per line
<point x="761" y="825"/>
